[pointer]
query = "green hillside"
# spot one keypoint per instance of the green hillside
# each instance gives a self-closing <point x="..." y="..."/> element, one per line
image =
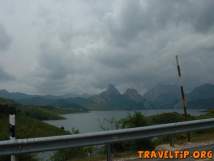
<point x="28" y="123"/>
<point x="28" y="120"/>
<point x="44" y="112"/>
<point x="37" y="112"/>
<point x="27" y="127"/>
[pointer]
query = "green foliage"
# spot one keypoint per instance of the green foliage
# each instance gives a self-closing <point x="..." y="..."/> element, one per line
<point x="176" y="117"/>
<point x="42" y="113"/>
<point x="109" y="124"/>
<point x="4" y="127"/>
<point x="6" y="102"/>
<point x="23" y="157"/>
<point x="134" y="120"/>
<point x="166" y="118"/>
<point x="139" y="120"/>
<point x="7" y="106"/>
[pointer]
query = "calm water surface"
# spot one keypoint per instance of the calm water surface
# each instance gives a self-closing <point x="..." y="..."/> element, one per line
<point x="91" y="121"/>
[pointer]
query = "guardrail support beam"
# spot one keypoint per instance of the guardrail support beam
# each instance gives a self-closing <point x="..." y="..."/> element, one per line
<point x="109" y="152"/>
<point x="12" y="158"/>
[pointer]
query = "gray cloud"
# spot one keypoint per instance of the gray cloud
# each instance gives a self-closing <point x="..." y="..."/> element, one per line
<point x="5" y="39"/>
<point x="83" y="46"/>
<point x="4" y="76"/>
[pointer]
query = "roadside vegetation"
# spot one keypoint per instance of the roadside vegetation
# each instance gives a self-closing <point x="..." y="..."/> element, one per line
<point x="126" y="149"/>
<point x="29" y="124"/>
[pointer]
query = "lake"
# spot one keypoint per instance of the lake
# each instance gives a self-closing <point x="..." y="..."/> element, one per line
<point x="91" y="121"/>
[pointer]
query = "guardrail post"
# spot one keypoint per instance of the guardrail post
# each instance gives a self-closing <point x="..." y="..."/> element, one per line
<point x="12" y="158"/>
<point x="12" y="124"/>
<point x="109" y="152"/>
<point x="172" y="140"/>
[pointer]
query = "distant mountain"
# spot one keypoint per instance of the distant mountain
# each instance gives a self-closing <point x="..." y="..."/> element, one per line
<point x="57" y="102"/>
<point x="202" y="97"/>
<point x="162" y="96"/>
<point x="50" y="100"/>
<point x="14" y="95"/>
<point x="108" y="99"/>
<point x="133" y="95"/>
<point x="71" y="95"/>
<point x="110" y="93"/>
<point x="205" y="91"/>
<point x="111" y="98"/>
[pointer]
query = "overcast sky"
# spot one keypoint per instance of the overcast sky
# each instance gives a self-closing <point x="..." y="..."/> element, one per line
<point x="81" y="46"/>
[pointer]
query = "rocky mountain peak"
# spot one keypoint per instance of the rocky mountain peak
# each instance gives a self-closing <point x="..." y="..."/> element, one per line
<point x="111" y="90"/>
<point x="133" y="94"/>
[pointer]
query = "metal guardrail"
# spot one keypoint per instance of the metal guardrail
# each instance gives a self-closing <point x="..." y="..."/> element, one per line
<point x="20" y="146"/>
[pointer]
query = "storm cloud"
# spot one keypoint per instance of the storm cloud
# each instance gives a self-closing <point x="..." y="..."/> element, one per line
<point x="82" y="46"/>
<point x="4" y="76"/>
<point x="5" y="39"/>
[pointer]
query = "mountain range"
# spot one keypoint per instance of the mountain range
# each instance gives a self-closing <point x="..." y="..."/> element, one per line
<point x="160" y="96"/>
